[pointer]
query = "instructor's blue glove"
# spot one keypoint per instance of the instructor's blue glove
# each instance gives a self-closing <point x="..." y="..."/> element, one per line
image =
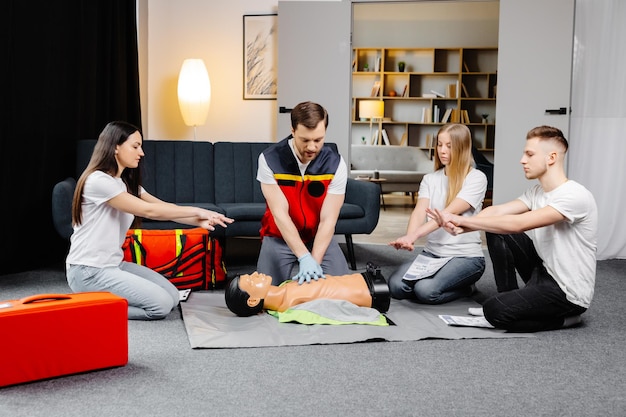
<point x="309" y="268"/>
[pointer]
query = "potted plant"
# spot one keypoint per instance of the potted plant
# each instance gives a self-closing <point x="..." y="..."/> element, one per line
<point x="366" y="67"/>
<point x="401" y="66"/>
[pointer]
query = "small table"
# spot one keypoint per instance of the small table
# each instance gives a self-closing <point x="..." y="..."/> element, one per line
<point x="378" y="181"/>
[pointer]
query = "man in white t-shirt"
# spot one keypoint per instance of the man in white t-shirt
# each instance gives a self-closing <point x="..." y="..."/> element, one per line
<point x="547" y="235"/>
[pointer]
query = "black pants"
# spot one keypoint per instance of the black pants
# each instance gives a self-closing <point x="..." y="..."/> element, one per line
<point x="540" y="304"/>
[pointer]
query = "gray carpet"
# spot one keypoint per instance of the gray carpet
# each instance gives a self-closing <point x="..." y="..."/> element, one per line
<point x="210" y="324"/>
<point x="573" y="372"/>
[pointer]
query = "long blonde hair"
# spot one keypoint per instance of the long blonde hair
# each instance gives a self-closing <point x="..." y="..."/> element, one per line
<point x="461" y="160"/>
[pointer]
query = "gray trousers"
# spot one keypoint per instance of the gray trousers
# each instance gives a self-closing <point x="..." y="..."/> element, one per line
<point x="277" y="260"/>
<point x="149" y="294"/>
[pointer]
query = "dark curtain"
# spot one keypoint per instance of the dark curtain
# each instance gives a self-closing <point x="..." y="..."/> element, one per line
<point x="69" y="67"/>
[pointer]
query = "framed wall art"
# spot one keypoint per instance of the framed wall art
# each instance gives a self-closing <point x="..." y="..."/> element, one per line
<point x="260" y="56"/>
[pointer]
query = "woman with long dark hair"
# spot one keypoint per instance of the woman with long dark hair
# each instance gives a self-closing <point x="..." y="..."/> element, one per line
<point x="107" y="199"/>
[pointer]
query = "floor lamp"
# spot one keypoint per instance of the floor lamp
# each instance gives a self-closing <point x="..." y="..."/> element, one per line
<point x="372" y="109"/>
<point x="194" y="93"/>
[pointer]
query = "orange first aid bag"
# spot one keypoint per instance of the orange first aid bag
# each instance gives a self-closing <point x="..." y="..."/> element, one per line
<point x="188" y="258"/>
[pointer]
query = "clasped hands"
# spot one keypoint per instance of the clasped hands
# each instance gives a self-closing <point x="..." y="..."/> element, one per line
<point x="309" y="268"/>
<point x="448" y="221"/>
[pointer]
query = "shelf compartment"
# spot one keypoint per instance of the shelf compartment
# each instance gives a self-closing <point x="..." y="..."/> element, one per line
<point x="395" y="82"/>
<point x="480" y="60"/>
<point x="479" y="85"/>
<point x="422" y="83"/>
<point x="405" y="111"/>
<point x="416" y="60"/>
<point x="364" y="56"/>
<point x="422" y="135"/>
<point x="447" y="60"/>
<point x="363" y="83"/>
<point x="483" y="136"/>
<point x="476" y="108"/>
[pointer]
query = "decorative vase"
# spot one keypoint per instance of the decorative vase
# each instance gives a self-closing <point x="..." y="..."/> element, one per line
<point x="401" y="66"/>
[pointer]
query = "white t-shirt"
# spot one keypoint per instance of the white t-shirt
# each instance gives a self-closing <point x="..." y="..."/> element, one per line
<point x="98" y="240"/>
<point x="337" y="185"/>
<point x="568" y="248"/>
<point x="434" y="186"/>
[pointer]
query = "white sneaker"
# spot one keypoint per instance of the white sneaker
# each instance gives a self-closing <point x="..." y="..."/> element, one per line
<point x="476" y="311"/>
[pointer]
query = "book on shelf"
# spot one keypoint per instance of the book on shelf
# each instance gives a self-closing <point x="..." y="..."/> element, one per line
<point x="428" y="144"/>
<point x="436" y="114"/>
<point x="385" y="137"/>
<point x="446" y="116"/>
<point x="427" y="115"/>
<point x="465" y="68"/>
<point x="375" y="137"/>
<point x="451" y="91"/>
<point x="464" y="90"/>
<point x="377" y="64"/>
<point x="375" y="89"/>
<point x="465" y="116"/>
<point x="405" y="91"/>
<point x="436" y="93"/>
<point x="455" y="116"/>
<point x="403" y="139"/>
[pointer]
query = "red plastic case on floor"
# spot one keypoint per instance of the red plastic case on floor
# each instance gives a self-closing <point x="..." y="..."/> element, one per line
<point x="50" y="335"/>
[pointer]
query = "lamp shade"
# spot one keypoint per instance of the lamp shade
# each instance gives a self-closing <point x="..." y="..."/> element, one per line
<point x="372" y="109"/>
<point x="194" y="92"/>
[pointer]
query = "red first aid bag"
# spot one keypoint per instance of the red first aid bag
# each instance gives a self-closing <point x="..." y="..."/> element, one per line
<point x="189" y="258"/>
<point x="61" y="334"/>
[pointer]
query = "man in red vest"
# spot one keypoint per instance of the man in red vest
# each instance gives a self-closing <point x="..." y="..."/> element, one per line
<point x="304" y="184"/>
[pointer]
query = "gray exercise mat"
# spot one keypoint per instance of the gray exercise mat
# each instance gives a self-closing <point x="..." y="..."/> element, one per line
<point x="210" y="324"/>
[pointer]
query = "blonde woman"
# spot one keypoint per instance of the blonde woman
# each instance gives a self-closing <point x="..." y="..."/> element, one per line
<point x="449" y="265"/>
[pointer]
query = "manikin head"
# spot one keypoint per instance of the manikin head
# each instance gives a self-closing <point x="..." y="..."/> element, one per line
<point x="245" y="293"/>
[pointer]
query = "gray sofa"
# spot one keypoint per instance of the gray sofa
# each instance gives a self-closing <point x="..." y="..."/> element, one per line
<point x="218" y="176"/>
<point x="403" y="167"/>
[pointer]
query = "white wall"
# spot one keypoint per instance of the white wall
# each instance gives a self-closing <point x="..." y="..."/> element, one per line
<point x="211" y="30"/>
<point x="426" y="24"/>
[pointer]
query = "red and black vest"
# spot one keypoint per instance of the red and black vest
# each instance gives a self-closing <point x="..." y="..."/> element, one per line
<point x="304" y="194"/>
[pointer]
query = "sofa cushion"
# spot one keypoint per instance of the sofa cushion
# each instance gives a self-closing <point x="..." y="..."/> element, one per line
<point x="179" y="171"/>
<point x="62" y="195"/>
<point x="248" y="211"/>
<point x="235" y="172"/>
<point x="351" y="211"/>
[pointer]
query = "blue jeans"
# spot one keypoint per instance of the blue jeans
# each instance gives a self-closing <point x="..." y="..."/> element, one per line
<point x="149" y="294"/>
<point x="452" y="281"/>
<point x="540" y="305"/>
<point x="278" y="261"/>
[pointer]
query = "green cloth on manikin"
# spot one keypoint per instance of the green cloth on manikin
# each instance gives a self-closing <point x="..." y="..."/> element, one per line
<point x="326" y="311"/>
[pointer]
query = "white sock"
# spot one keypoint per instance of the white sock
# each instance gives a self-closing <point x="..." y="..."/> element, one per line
<point x="476" y="311"/>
